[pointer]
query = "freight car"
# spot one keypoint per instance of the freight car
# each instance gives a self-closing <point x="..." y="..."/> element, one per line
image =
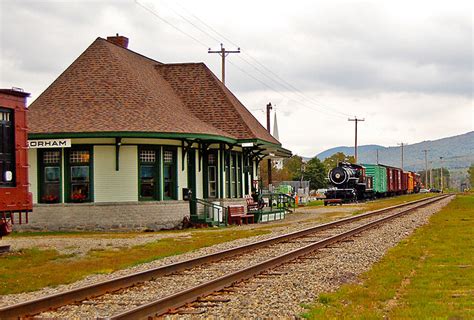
<point x="352" y="182"/>
<point x="15" y="200"/>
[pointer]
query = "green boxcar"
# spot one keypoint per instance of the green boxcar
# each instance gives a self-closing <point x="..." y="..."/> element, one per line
<point x="379" y="175"/>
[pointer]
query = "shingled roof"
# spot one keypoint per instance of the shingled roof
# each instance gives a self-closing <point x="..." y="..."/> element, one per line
<point x="110" y="89"/>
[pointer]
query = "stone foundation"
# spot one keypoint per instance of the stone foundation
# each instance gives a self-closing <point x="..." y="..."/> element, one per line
<point x="124" y="216"/>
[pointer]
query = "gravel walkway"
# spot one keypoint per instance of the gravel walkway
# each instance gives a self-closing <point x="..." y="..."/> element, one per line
<point x="80" y="245"/>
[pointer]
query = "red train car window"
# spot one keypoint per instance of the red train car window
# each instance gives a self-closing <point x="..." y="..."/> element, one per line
<point x="7" y="149"/>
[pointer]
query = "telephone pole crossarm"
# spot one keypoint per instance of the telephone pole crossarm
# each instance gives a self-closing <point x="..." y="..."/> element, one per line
<point x="223" y="53"/>
<point x="355" y="145"/>
<point x="402" y="144"/>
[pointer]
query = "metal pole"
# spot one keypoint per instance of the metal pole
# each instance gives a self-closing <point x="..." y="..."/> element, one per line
<point x="269" y="162"/>
<point x="441" y="158"/>
<point x="377" y="156"/>
<point x="431" y="174"/>
<point x="426" y="168"/>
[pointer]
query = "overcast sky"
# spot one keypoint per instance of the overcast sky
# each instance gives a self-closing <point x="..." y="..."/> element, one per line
<point x="404" y="66"/>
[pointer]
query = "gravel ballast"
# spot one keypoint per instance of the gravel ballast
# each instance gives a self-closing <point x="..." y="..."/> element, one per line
<point x="337" y="272"/>
<point x="301" y="283"/>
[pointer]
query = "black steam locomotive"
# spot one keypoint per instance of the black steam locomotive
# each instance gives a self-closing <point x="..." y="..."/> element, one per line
<point x="350" y="183"/>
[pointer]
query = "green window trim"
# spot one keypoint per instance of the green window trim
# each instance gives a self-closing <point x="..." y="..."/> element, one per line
<point x="68" y="183"/>
<point x="156" y="170"/>
<point x="41" y="165"/>
<point x="233" y="174"/>
<point x="172" y="167"/>
<point x="215" y="168"/>
<point x="163" y="173"/>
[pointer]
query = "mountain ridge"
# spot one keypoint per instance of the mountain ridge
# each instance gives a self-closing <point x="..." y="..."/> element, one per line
<point x="451" y="152"/>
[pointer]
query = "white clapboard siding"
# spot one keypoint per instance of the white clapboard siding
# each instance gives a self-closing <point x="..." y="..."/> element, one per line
<point x="111" y="185"/>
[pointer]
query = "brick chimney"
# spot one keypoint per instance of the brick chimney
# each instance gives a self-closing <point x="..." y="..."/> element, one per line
<point x="119" y="40"/>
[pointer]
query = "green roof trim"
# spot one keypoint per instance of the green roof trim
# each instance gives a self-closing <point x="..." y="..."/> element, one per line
<point x="130" y="134"/>
<point x="156" y="135"/>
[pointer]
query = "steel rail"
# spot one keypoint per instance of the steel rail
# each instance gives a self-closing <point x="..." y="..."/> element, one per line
<point x="163" y="305"/>
<point x="79" y="294"/>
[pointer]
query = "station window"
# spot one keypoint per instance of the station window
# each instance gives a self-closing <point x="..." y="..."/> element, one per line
<point x="233" y="168"/>
<point x="7" y="151"/>
<point x="49" y="175"/>
<point x="239" y="175"/>
<point x="151" y="179"/>
<point x="169" y="174"/>
<point x="233" y="173"/>
<point x="227" y="174"/>
<point x="79" y="174"/>
<point x="212" y="176"/>
<point x="149" y="173"/>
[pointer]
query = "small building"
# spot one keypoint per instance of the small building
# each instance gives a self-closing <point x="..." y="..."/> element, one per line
<point x="118" y="138"/>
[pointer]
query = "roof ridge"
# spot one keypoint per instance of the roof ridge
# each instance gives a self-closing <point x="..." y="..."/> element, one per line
<point x="229" y="95"/>
<point x="129" y="50"/>
<point x="223" y="88"/>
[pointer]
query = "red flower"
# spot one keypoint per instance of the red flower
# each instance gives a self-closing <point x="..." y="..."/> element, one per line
<point x="50" y="198"/>
<point x="78" y="197"/>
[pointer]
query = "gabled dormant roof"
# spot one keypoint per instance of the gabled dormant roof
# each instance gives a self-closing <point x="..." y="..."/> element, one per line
<point x="110" y="89"/>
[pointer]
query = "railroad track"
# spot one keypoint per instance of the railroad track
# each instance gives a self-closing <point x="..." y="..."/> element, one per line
<point x="218" y="270"/>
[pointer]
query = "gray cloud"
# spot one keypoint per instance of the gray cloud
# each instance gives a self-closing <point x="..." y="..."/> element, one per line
<point x="402" y="69"/>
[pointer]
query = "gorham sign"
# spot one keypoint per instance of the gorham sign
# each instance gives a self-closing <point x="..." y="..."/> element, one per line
<point x="49" y="143"/>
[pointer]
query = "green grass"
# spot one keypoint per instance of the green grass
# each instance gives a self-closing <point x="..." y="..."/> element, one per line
<point x="430" y="275"/>
<point x="387" y="202"/>
<point x="315" y="203"/>
<point x="33" y="269"/>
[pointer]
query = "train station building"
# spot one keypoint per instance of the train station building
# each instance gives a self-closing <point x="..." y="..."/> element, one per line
<point x="117" y="140"/>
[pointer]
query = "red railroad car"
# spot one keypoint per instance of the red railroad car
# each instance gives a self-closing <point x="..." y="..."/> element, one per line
<point x="394" y="180"/>
<point x="405" y="181"/>
<point x="15" y="198"/>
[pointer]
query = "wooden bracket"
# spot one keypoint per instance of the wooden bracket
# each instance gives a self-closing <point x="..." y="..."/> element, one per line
<point x="118" y="143"/>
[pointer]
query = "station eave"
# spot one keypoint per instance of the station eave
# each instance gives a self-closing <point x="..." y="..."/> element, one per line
<point x="132" y="134"/>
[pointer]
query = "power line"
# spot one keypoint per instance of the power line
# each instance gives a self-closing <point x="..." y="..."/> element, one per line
<point x="169" y="23"/>
<point x="289" y="85"/>
<point x="282" y="82"/>
<point x="279" y="93"/>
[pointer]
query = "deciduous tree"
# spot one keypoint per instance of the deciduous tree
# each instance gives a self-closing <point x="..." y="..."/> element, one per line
<point x="332" y="161"/>
<point x="315" y="172"/>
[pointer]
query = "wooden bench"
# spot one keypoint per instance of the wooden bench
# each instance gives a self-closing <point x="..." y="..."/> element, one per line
<point x="251" y="204"/>
<point x="237" y="214"/>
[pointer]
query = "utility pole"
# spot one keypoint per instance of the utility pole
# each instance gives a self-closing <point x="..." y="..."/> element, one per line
<point x="269" y="161"/>
<point x="426" y="168"/>
<point x="431" y="174"/>
<point x="355" y="145"/>
<point x="223" y="53"/>
<point x="441" y="159"/>
<point x="402" y="144"/>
